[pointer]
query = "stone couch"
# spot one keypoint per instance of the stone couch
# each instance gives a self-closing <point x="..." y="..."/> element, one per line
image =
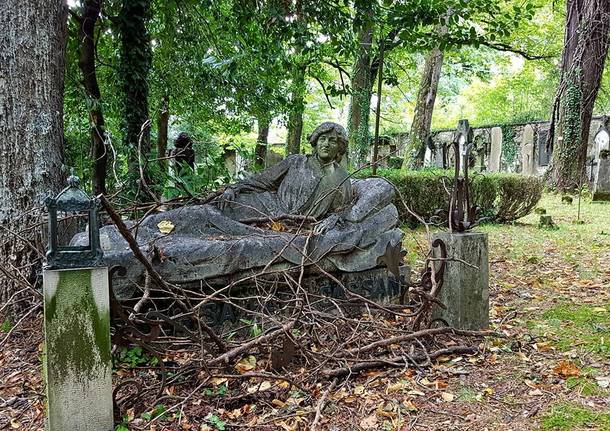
<point x="207" y="244"/>
<point x="355" y="227"/>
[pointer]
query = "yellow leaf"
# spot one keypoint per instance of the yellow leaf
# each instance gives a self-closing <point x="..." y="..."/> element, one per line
<point x="217" y="381"/>
<point x="409" y="406"/>
<point x="395" y="387"/>
<point x="447" y="396"/>
<point x="264" y="386"/>
<point x="359" y="390"/>
<point x="165" y="226"/>
<point x="278" y="403"/>
<point x="277" y="226"/>
<point x="246" y="364"/>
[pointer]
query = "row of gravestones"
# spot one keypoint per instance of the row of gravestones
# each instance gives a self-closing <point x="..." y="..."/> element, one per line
<point x="491" y="153"/>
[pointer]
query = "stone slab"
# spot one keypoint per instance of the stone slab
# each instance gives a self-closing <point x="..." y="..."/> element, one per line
<point x="601" y="188"/>
<point x="465" y="289"/>
<point x="78" y="361"/>
<point x="496" y="149"/>
<point x="527" y="151"/>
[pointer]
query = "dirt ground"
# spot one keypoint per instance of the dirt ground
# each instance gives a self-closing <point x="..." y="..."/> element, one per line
<point x="550" y="297"/>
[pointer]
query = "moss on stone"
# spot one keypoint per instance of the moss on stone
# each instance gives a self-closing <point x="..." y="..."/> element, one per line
<point x="77" y="333"/>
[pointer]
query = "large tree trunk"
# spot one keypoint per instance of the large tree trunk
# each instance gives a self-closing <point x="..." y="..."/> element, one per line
<point x="86" y="38"/>
<point x="362" y="85"/>
<point x="135" y="63"/>
<point x="295" y="116"/>
<point x="162" y="133"/>
<point x="584" y="54"/>
<point x="32" y="47"/>
<point x="260" y="152"/>
<point x="422" y="120"/>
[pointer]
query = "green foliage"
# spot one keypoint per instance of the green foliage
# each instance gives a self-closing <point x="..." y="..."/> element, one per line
<point x="579" y="325"/>
<point x="216" y="422"/>
<point x="518" y="195"/>
<point x="157" y="412"/>
<point x="501" y="197"/>
<point x="509" y="145"/>
<point x="135" y="356"/>
<point x="569" y="417"/>
<point x="6" y="325"/>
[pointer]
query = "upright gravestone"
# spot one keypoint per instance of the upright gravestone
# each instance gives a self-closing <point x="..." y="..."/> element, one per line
<point x="601" y="188"/>
<point x="496" y="149"/>
<point x="527" y="151"/>
<point x="77" y="362"/>
<point x="465" y="289"/>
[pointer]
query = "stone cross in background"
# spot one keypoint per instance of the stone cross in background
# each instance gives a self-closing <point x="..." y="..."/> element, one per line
<point x="77" y="360"/>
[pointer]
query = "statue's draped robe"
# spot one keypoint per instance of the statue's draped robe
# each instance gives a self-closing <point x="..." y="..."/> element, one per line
<point x="208" y="243"/>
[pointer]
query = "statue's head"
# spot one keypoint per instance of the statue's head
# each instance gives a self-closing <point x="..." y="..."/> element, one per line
<point x="183" y="140"/>
<point x="333" y="138"/>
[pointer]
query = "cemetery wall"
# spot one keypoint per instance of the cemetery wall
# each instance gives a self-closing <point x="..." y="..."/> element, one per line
<point x="517" y="148"/>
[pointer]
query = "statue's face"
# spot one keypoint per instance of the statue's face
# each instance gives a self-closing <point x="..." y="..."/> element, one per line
<point x="328" y="146"/>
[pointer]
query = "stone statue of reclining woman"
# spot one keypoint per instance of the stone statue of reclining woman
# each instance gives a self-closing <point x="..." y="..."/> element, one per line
<point x="355" y="223"/>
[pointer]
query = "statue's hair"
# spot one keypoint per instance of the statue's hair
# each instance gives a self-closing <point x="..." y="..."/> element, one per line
<point x="183" y="140"/>
<point x="326" y="127"/>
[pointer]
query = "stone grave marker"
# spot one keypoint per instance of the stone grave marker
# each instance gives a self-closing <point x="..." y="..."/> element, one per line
<point x="527" y="151"/>
<point x="77" y="363"/>
<point x="496" y="149"/>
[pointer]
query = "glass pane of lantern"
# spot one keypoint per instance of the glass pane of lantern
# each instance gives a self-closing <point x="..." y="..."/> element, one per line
<point x="69" y="224"/>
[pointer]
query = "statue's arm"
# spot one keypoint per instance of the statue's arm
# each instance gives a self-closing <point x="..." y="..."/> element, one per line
<point x="370" y="195"/>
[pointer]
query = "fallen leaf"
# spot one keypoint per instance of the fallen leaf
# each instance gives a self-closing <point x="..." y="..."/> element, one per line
<point x="535" y="393"/>
<point x="447" y="396"/>
<point x="566" y="369"/>
<point x="278" y="403"/>
<point x="165" y="226"/>
<point x="217" y="381"/>
<point x="246" y="364"/>
<point x="369" y="422"/>
<point x="397" y="386"/>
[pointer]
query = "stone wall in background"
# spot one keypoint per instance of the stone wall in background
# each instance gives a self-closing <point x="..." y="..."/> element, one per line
<point x="519" y="148"/>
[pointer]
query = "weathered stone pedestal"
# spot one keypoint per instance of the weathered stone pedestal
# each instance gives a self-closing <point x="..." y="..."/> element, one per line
<point x="77" y="363"/>
<point x="465" y="290"/>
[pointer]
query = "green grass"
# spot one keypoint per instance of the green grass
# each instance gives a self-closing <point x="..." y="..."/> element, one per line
<point x="576" y="326"/>
<point x="573" y="418"/>
<point x="585" y="387"/>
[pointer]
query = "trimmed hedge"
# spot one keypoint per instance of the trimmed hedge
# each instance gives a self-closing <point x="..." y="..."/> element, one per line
<point x="502" y="197"/>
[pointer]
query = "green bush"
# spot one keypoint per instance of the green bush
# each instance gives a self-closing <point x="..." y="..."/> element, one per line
<point x="501" y="197"/>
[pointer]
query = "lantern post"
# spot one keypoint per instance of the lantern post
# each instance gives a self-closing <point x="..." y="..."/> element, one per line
<point x="77" y="360"/>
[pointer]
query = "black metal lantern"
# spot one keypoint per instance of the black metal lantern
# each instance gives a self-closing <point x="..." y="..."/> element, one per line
<point x="73" y="200"/>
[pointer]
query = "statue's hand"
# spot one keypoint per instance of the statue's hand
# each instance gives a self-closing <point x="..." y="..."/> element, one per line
<point x="228" y="196"/>
<point x="327" y="224"/>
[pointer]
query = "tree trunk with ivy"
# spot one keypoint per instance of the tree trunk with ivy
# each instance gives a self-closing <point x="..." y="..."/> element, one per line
<point x="422" y="120"/>
<point x="584" y="54"/>
<point x="134" y="66"/>
<point x="162" y="133"/>
<point x="32" y="48"/>
<point x="297" y="107"/>
<point x="97" y="130"/>
<point x="362" y="84"/>
<point x="260" y="151"/>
